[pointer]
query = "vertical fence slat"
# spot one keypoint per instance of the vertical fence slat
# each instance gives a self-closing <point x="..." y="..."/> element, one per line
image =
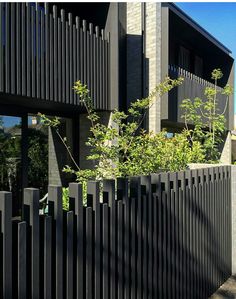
<point x="7" y="47"/>
<point x="77" y="195"/>
<point x="70" y="256"/>
<point x="94" y="69"/>
<point x="91" y="58"/>
<point x="93" y="195"/>
<point x="74" y="41"/>
<point x="48" y="257"/>
<point x="120" y="253"/>
<point x="28" y="50"/>
<point x="22" y="260"/>
<point x="127" y="249"/>
<point x="70" y="44"/>
<point x="133" y="248"/>
<point x="47" y="51"/>
<point x="31" y="216"/>
<point x="88" y="52"/>
<point x="156" y="191"/>
<point x="6" y="231"/>
<point x="103" y="69"/>
<point x="135" y="195"/>
<point x="55" y="51"/>
<point x="109" y="188"/>
<point x="67" y="66"/>
<point x="146" y="191"/>
<point x="122" y="196"/>
<point x="38" y="51"/>
<point x="145" y="246"/>
<point x="89" y="253"/>
<point x="23" y="49"/>
<point x="63" y="54"/>
<point x="81" y="55"/>
<point x="59" y="47"/>
<point x="105" y="254"/>
<point x="51" y="58"/>
<point x="139" y="242"/>
<point x="13" y="46"/>
<point x="2" y="32"/>
<point x="55" y="210"/>
<point x="33" y="51"/>
<point x="78" y="49"/>
<point x="84" y="24"/>
<point x="42" y="54"/>
<point x="98" y="99"/>
<point x="18" y="48"/>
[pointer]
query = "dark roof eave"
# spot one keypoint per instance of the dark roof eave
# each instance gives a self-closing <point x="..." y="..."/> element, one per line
<point x="196" y="26"/>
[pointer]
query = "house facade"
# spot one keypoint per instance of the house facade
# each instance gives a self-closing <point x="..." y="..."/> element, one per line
<point x="120" y="50"/>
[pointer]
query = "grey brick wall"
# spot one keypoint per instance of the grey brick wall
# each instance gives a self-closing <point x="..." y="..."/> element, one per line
<point x="134" y="51"/>
<point x="152" y="56"/>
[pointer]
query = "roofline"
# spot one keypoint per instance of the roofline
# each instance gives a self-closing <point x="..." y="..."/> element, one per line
<point x="196" y="26"/>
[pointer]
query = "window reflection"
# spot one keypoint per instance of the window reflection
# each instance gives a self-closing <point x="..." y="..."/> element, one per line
<point x="10" y="158"/>
<point x="37" y="154"/>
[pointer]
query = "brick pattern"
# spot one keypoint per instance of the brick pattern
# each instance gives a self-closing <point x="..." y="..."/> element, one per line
<point x="134" y="52"/>
<point x="152" y="57"/>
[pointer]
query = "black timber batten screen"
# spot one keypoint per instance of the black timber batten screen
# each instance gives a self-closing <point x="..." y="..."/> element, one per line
<point x="42" y="54"/>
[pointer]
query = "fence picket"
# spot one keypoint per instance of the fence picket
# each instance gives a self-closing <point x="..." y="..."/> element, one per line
<point x="48" y="257"/>
<point x="55" y="210"/>
<point x="22" y="260"/>
<point x="6" y="244"/>
<point x="31" y="216"/>
<point x="89" y="253"/>
<point x="70" y="256"/>
<point x="93" y="195"/>
<point x="76" y="195"/>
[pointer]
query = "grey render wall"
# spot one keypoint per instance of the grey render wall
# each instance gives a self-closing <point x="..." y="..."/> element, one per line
<point x="144" y="51"/>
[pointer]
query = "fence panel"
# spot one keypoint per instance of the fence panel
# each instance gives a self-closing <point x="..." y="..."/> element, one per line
<point x="167" y="235"/>
<point x="42" y="54"/>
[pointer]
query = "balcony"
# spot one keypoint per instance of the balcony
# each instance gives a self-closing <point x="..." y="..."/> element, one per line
<point x="192" y="87"/>
<point x="42" y="53"/>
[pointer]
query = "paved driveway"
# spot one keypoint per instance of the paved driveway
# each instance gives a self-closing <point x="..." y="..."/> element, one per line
<point x="227" y="290"/>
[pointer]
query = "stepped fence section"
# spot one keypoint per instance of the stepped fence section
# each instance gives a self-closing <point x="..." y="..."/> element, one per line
<point x="167" y="235"/>
<point x="42" y="54"/>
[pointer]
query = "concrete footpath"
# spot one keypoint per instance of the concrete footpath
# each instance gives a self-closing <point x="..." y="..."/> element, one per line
<point x="227" y="290"/>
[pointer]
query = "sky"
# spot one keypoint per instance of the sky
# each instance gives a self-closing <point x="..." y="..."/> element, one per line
<point x="219" y="19"/>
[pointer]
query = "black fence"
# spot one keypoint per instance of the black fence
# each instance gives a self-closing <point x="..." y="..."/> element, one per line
<point x="164" y="236"/>
<point x="43" y="54"/>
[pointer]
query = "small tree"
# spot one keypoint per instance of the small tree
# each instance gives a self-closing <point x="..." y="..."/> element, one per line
<point x="208" y="123"/>
<point x="121" y="149"/>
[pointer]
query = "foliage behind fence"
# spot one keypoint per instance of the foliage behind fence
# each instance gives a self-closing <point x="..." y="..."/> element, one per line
<point x="167" y="235"/>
